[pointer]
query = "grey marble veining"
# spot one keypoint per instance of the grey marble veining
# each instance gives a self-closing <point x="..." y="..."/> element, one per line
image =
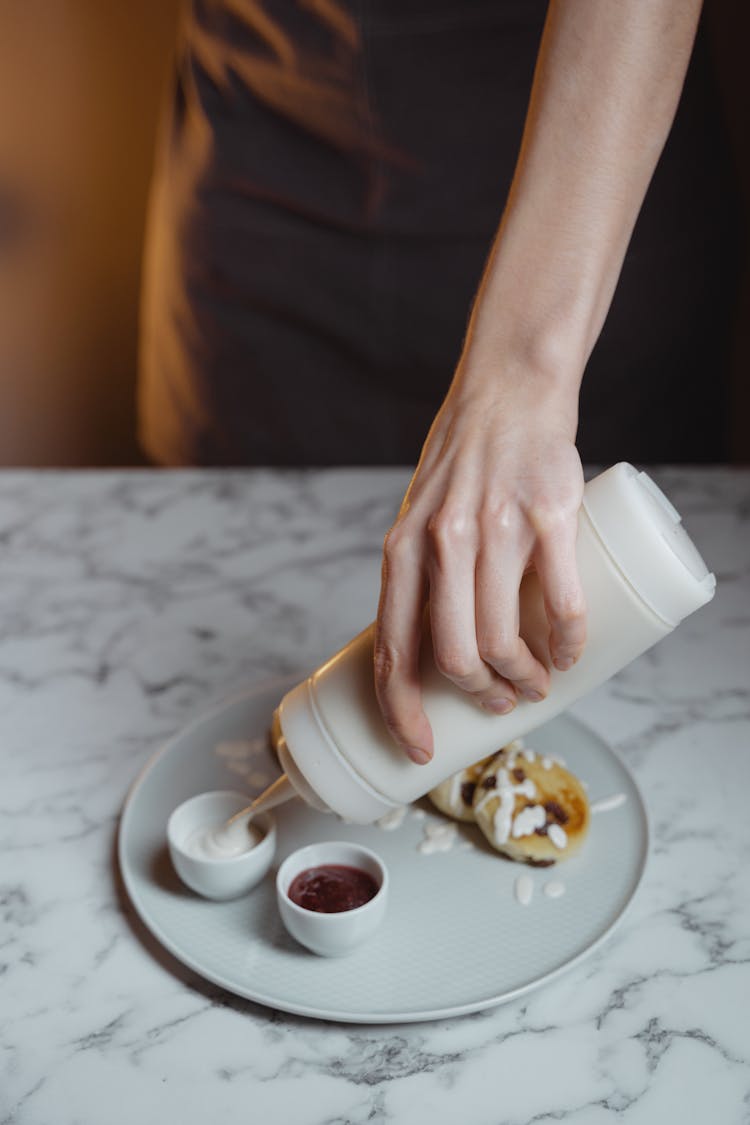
<point x="132" y="602"/>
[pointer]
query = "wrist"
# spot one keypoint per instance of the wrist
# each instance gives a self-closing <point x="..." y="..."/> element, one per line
<point x="532" y="373"/>
<point x="540" y="302"/>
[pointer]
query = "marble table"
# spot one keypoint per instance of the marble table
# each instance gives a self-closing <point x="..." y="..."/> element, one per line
<point x="129" y="604"/>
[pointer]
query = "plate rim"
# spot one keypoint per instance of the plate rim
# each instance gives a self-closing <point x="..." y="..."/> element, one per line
<point x="283" y="683"/>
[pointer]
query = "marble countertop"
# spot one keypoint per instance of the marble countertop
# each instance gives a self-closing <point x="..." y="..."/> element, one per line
<point x="129" y="604"/>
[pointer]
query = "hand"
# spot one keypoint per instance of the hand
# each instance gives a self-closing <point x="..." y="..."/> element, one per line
<point x="497" y="490"/>
<point x="499" y="483"/>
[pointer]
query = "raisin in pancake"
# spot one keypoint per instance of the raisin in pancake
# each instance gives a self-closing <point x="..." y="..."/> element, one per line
<point x="454" y="796"/>
<point x="531" y="808"/>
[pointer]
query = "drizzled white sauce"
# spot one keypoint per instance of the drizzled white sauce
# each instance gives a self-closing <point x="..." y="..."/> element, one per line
<point x="526" y="822"/>
<point x="524" y="888"/>
<point x="437" y="838"/>
<point x="606" y="804"/>
<point x="507" y="792"/>
<point x="455" y="791"/>
<point x="206" y="843"/>
<point x="554" y="889"/>
<point x="393" y="819"/>
<point x="550" y="760"/>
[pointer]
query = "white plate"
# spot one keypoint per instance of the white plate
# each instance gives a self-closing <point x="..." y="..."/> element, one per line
<point x="455" y="939"/>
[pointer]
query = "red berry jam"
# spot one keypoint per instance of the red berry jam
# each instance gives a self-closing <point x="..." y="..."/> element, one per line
<point x="332" y="887"/>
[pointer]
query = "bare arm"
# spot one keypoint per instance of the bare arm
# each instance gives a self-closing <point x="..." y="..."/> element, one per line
<point x="499" y="483"/>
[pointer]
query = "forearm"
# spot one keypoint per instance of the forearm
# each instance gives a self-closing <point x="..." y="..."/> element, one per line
<point x="606" y="87"/>
<point x="499" y="485"/>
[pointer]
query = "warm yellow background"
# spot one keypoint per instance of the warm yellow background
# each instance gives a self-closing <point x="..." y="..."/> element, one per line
<point x="80" y="86"/>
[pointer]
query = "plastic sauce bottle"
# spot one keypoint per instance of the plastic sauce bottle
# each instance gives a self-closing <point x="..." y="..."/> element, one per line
<point x="641" y="575"/>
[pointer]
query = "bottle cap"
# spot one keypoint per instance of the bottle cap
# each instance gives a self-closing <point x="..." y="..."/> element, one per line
<point x="643" y="533"/>
<point x="318" y="770"/>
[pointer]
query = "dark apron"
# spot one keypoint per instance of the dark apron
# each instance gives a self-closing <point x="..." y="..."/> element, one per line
<point x="328" y="185"/>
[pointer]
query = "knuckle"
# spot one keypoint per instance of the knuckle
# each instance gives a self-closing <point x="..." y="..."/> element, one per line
<point x="448" y="527"/>
<point x="499" y="651"/>
<point x="548" y="515"/>
<point x="498" y="515"/>
<point x="554" y="513"/>
<point x="385" y="662"/>
<point x="455" y="665"/>
<point x="396" y="543"/>
<point x="496" y="656"/>
<point x="567" y="608"/>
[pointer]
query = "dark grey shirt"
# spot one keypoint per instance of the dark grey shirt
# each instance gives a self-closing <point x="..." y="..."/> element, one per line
<point x="329" y="179"/>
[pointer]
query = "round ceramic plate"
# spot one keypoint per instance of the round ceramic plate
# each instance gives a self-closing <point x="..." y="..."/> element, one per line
<point x="455" y="938"/>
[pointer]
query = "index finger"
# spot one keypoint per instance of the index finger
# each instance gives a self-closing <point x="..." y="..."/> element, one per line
<point x="398" y="635"/>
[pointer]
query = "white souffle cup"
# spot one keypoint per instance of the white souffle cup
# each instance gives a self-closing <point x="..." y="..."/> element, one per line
<point x="337" y="933"/>
<point x="218" y="877"/>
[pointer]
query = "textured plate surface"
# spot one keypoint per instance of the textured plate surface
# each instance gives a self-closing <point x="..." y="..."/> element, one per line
<point x="455" y="939"/>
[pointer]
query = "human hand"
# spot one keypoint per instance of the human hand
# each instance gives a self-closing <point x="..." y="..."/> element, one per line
<point x="497" y="491"/>
<point x="499" y="483"/>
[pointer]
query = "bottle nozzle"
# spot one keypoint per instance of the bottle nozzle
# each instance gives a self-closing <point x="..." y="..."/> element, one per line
<point x="232" y="837"/>
<point x="296" y="779"/>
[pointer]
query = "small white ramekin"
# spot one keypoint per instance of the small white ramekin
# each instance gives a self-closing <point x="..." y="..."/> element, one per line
<point x="332" y="935"/>
<point x="218" y="878"/>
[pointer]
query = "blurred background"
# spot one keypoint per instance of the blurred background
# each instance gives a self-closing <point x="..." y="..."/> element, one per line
<point x="81" y="84"/>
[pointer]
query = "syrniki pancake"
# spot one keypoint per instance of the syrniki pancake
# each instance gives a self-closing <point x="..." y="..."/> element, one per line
<point x="455" y="795"/>
<point x="531" y="808"/>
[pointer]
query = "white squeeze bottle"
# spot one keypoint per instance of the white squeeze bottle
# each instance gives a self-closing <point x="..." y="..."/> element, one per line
<point x="641" y="575"/>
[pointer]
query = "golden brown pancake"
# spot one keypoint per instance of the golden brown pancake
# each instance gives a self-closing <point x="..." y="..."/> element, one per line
<point x="531" y="808"/>
<point x="454" y="796"/>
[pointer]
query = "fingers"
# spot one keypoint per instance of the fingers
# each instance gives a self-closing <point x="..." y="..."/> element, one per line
<point x="564" y="603"/>
<point x="472" y="562"/>
<point x="499" y="572"/>
<point x="453" y="616"/>
<point x="398" y="632"/>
